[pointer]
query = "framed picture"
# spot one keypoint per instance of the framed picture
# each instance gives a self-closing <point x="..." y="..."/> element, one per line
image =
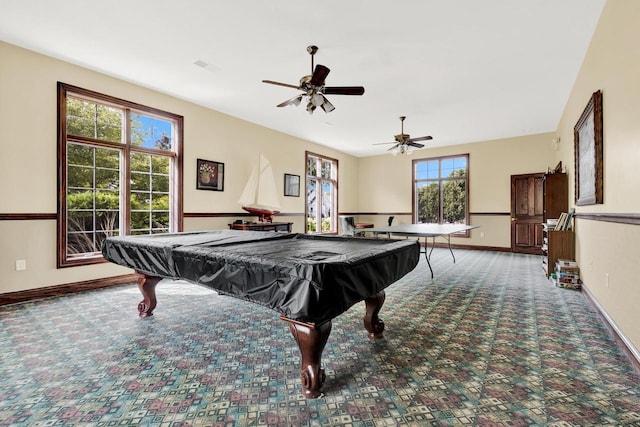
<point x="588" y="141"/>
<point x="291" y="185"/>
<point x="210" y="175"/>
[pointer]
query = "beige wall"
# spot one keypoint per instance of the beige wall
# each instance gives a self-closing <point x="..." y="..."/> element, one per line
<point x="386" y="186"/>
<point x="608" y="253"/>
<point x="28" y="164"/>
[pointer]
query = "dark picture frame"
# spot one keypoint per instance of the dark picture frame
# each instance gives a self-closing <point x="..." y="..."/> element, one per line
<point x="209" y="175"/>
<point x="588" y="153"/>
<point x="291" y="185"/>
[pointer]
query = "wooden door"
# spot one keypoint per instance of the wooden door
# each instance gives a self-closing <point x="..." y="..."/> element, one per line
<point x="527" y="213"/>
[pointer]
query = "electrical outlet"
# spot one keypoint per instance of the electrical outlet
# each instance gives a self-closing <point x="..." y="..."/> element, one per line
<point x="482" y="234"/>
<point x="606" y="280"/>
<point x="21" y="264"/>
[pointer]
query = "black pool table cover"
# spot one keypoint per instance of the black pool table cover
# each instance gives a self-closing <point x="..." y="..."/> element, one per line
<point x="307" y="278"/>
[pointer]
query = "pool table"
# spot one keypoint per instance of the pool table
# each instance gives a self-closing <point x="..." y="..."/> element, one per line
<point x="308" y="279"/>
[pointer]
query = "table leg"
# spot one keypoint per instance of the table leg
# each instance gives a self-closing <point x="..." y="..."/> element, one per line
<point x="450" y="250"/>
<point x="311" y="339"/>
<point x="372" y="323"/>
<point x="147" y="286"/>
<point x="427" y="254"/>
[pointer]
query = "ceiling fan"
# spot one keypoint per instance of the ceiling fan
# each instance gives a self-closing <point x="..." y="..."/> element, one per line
<point x="314" y="90"/>
<point x="404" y="144"/>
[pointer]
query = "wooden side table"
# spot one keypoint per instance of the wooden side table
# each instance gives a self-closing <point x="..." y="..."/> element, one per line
<point x="262" y="226"/>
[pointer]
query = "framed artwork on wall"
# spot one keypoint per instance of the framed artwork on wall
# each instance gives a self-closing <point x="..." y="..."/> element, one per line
<point x="291" y="185"/>
<point x="588" y="153"/>
<point x="210" y="175"/>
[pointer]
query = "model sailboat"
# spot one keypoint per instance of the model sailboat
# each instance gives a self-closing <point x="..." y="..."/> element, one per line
<point x="260" y="196"/>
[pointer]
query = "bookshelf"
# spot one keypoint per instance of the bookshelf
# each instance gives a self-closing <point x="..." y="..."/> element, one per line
<point x="557" y="244"/>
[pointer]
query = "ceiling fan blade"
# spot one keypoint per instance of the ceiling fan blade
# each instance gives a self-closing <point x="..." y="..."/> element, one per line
<point x="383" y="143"/>
<point x="327" y="106"/>
<point x="392" y="148"/>
<point x="420" y="138"/>
<point x="295" y="100"/>
<point x="344" y="90"/>
<point x="415" y="144"/>
<point x="271" y="82"/>
<point x="319" y="75"/>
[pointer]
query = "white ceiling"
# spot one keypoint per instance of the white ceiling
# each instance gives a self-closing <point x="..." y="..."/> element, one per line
<point x="460" y="70"/>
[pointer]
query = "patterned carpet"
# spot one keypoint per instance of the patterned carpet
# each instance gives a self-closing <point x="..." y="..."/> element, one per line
<point x="489" y="342"/>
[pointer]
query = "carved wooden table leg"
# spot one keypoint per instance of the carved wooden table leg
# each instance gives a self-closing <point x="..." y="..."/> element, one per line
<point x="147" y="286"/>
<point x="372" y="322"/>
<point x="311" y="340"/>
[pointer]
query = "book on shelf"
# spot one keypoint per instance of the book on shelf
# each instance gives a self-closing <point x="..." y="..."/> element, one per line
<point x="565" y="220"/>
<point x="551" y="224"/>
<point x="566" y="263"/>
<point x="561" y="219"/>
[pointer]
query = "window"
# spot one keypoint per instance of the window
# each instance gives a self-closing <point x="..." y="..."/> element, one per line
<point x="441" y="190"/>
<point x="322" y="194"/>
<point x="119" y="172"/>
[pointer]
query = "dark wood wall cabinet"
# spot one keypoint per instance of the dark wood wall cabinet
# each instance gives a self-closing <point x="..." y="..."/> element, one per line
<point x="555" y="190"/>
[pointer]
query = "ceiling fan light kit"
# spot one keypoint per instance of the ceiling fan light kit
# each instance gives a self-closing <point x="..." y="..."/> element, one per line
<point x="314" y="89"/>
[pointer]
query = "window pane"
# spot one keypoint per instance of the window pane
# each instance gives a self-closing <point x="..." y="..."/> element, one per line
<point x="140" y="162"/>
<point x="160" y="183"/>
<point x="149" y="193"/>
<point x="80" y="176"/>
<point x="140" y="201"/>
<point x="140" y="221"/>
<point x="327" y="206"/>
<point x="428" y="202"/>
<point x="78" y="199"/>
<point x="460" y="166"/>
<point x="140" y="181"/>
<point x="160" y="220"/>
<point x="93" y="196"/>
<point x="326" y="169"/>
<point x="160" y="164"/>
<point x="80" y="243"/>
<point x="107" y="222"/>
<point x="107" y="199"/>
<point x="312" y="212"/>
<point x="321" y="197"/>
<point x="427" y="170"/>
<point x="107" y="178"/>
<point x="80" y="221"/>
<point x="160" y="202"/>
<point x="151" y="132"/>
<point x="108" y="159"/>
<point x="80" y="118"/>
<point x="81" y="155"/>
<point x="93" y="120"/>
<point x="447" y="167"/>
<point x="453" y="201"/>
<point x="440" y="189"/>
<point x="312" y="167"/>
